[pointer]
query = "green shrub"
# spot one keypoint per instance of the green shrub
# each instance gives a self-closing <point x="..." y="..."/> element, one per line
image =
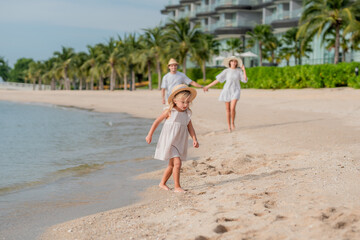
<point x="301" y="76"/>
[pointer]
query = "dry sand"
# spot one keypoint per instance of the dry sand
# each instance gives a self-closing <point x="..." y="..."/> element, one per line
<point x="291" y="170"/>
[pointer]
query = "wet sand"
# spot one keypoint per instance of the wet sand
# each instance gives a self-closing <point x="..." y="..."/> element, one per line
<point x="291" y="169"/>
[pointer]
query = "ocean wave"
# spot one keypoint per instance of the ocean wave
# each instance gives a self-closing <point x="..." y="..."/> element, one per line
<point x="79" y="170"/>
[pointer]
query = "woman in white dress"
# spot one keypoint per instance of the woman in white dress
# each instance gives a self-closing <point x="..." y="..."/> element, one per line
<point x="233" y="74"/>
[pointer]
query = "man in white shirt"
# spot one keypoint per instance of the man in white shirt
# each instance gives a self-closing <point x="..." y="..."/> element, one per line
<point x="174" y="78"/>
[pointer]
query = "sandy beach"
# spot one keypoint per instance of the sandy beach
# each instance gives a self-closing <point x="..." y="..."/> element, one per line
<point x="290" y="170"/>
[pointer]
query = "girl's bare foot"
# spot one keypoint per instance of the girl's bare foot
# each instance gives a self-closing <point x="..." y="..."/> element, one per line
<point x="180" y="190"/>
<point x="163" y="186"/>
<point x="229" y="130"/>
<point x="232" y="126"/>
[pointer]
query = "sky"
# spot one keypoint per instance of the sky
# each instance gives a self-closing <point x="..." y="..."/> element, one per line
<point x="37" y="28"/>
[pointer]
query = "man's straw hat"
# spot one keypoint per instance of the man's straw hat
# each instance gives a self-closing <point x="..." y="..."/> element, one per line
<point x="181" y="88"/>
<point x="227" y="61"/>
<point x="173" y="61"/>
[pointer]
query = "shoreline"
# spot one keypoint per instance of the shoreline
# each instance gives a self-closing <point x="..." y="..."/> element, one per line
<point x="290" y="170"/>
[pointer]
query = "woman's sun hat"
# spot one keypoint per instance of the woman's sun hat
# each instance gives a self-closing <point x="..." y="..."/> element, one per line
<point x="181" y="88"/>
<point x="173" y="61"/>
<point x="228" y="59"/>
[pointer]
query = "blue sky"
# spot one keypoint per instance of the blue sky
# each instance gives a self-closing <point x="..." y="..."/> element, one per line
<point x="37" y="28"/>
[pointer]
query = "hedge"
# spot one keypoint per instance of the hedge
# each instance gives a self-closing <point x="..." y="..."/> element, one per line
<point x="302" y="76"/>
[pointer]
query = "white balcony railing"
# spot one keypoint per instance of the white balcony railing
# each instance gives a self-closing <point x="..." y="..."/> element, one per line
<point x="237" y="2"/>
<point x="230" y="23"/>
<point x="205" y="8"/>
<point x="283" y="15"/>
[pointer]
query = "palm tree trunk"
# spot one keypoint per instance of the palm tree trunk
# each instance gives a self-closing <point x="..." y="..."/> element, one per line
<point x="184" y="65"/>
<point x="203" y="69"/>
<point x="260" y="51"/>
<point x="337" y="44"/>
<point x="80" y="84"/>
<point x="52" y="83"/>
<point x="40" y="88"/>
<point x="101" y="83"/>
<point x="112" y="79"/>
<point x="158" y="70"/>
<point x="149" y="75"/>
<point x="74" y="84"/>
<point x="133" y="80"/>
<point x="34" y="84"/>
<point x="92" y="82"/>
<point x="125" y="81"/>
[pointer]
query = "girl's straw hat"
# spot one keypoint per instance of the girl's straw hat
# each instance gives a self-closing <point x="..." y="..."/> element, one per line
<point x="181" y="88"/>
<point x="173" y="61"/>
<point x="227" y="61"/>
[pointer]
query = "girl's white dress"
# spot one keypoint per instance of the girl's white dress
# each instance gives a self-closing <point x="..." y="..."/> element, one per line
<point x="173" y="140"/>
<point x="231" y="89"/>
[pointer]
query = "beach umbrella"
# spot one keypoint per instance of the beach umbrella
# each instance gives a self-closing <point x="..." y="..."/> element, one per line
<point x="219" y="58"/>
<point x="248" y="54"/>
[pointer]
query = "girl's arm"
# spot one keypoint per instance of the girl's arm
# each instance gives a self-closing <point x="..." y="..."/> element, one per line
<point x="206" y="88"/>
<point x="193" y="134"/>
<point x="156" y="123"/>
<point x="245" y="77"/>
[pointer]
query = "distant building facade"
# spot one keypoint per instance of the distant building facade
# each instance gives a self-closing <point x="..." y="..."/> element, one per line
<point x="234" y="18"/>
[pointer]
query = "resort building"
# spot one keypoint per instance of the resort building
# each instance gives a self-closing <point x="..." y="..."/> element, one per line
<point x="234" y="18"/>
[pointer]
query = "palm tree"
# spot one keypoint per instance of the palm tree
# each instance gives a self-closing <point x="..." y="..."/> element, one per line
<point x="203" y="50"/>
<point x="4" y="69"/>
<point x="293" y="46"/>
<point x="354" y="26"/>
<point x="182" y="38"/>
<point x="234" y="45"/>
<point x="270" y="46"/>
<point x="260" y="35"/>
<point x="155" y="40"/>
<point x="80" y="73"/>
<point x="321" y="16"/>
<point x="51" y="73"/>
<point x="330" y="43"/>
<point x="64" y="59"/>
<point x="111" y="54"/>
<point x="146" y="57"/>
<point x="35" y="73"/>
<point x="90" y="63"/>
<point x="131" y="43"/>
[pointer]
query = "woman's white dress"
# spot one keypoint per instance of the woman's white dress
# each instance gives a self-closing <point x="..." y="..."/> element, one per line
<point x="173" y="140"/>
<point x="231" y="89"/>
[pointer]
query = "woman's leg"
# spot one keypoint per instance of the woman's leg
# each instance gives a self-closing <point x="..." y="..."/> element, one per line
<point x="167" y="174"/>
<point x="233" y="113"/>
<point x="176" y="174"/>
<point x="228" y="115"/>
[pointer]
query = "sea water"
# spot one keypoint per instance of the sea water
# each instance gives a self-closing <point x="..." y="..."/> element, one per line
<point x="59" y="163"/>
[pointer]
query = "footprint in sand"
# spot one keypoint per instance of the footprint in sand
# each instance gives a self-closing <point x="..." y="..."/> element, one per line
<point x="224" y="219"/>
<point x="220" y="229"/>
<point x="201" y="238"/>
<point x="269" y="204"/>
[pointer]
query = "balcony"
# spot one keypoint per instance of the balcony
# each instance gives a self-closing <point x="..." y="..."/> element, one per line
<point x="283" y="15"/>
<point x="205" y="10"/>
<point x="230" y="26"/>
<point x="230" y="3"/>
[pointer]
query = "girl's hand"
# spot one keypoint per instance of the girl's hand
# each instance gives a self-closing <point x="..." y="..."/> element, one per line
<point x="195" y="144"/>
<point x="148" y="139"/>
<point x="206" y="88"/>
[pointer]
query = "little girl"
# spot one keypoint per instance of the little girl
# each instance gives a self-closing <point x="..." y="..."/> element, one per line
<point x="173" y="140"/>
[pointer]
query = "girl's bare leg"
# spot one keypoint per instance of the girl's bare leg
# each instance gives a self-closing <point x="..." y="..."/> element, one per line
<point x="233" y="113"/>
<point x="176" y="175"/>
<point x="228" y="115"/>
<point x="166" y="175"/>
